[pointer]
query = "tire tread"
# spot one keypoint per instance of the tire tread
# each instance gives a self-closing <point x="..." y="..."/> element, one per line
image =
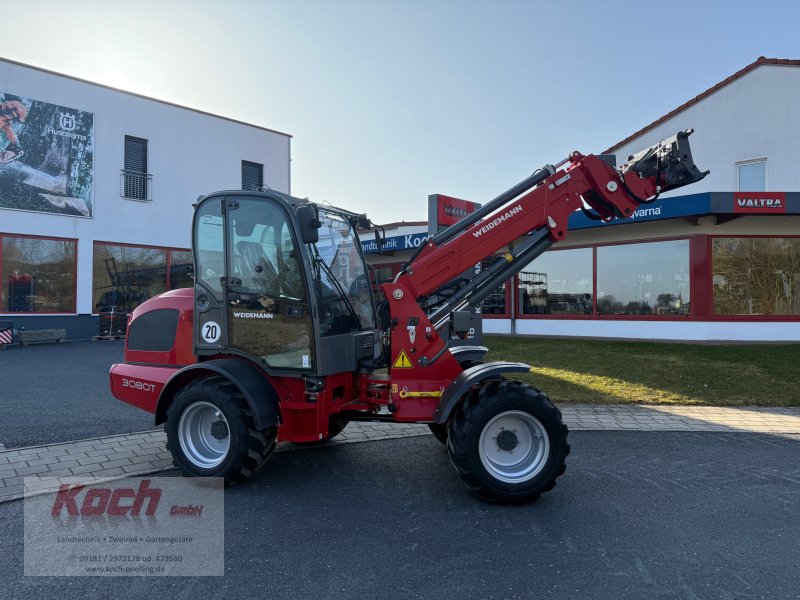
<point x="475" y="404"/>
<point x="255" y="446"/>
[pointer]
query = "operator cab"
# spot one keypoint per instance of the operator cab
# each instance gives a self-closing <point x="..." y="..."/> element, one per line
<point x="282" y="282"/>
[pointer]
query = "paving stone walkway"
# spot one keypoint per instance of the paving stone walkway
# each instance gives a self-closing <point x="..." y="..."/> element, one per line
<point x="145" y="452"/>
<point x="756" y="419"/>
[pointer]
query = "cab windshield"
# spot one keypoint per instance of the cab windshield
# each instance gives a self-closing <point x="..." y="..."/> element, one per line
<point x="340" y="269"/>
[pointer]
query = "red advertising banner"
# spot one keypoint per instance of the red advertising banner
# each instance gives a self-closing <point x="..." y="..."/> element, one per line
<point x="759" y="202"/>
<point x="451" y="210"/>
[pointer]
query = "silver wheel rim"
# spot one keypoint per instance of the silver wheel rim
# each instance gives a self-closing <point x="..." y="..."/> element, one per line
<point x="204" y="435"/>
<point x="514" y="446"/>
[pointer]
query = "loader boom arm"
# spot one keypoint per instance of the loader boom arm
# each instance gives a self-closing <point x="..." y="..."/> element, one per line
<point x="541" y="206"/>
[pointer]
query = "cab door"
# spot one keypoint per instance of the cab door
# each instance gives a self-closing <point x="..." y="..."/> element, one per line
<point x="268" y="310"/>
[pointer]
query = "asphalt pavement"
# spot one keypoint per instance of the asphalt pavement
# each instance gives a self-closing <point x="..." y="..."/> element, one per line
<point x="637" y="515"/>
<point x="53" y="393"/>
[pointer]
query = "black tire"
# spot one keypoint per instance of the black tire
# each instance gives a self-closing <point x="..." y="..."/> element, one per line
<point x="248" y="449"/>
<point x="335" y="428"/>
<point x="439" y="431"/>
<point x="479" y="408"/>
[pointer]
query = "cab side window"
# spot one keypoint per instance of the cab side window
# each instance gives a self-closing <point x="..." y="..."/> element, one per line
<point x="210" y="246"/>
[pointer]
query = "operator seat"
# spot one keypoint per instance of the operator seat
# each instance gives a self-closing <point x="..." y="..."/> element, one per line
<point x="257" y="272"/>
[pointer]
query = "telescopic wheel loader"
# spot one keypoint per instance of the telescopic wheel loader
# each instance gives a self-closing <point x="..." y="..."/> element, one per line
<point x="281" y="339"/>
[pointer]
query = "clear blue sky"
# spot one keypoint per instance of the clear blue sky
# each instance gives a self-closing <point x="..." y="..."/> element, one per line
<point x="389" y="101"/>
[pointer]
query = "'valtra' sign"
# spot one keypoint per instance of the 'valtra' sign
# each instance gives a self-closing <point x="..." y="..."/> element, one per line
<point x="452" y="210"/>
<point x="759" y="202"/>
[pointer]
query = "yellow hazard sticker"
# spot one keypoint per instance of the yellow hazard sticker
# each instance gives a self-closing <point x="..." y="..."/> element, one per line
<point x="402" y="361"/>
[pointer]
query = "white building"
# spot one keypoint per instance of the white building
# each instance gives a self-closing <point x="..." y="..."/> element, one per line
<point x="96" y="211"/>
<point x="719" y="260"/>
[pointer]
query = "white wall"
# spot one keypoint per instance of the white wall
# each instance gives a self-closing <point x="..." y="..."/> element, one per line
<point x="189" y="154"/>
<point x="650" y="330"/>
<point x="756" y="116"/>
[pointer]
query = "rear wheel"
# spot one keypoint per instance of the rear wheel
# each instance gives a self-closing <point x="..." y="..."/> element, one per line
<point x="507" y="442"/>
<point x="211" y="433"/>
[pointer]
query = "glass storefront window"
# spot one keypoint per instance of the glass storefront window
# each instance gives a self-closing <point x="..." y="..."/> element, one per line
<point x="126" y="276"/>
<point x="180" y="267"/>
<point x="557" y="283"/>
<point x="38" y="275"/>
<point x="643" y="279"/>
<point x="494" y="303"/>
<point x="756" y="276"/>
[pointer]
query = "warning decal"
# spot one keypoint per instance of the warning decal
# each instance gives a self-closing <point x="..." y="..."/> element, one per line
<point x="402" y="361"/>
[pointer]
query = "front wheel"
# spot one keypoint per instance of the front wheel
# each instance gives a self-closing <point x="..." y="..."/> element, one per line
<point x="439" y="430"/>
<point x="507" y="442"/>
<point x="211" y="433"/>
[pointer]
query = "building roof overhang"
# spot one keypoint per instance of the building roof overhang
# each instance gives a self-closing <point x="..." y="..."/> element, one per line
<point x="707" y="203"/>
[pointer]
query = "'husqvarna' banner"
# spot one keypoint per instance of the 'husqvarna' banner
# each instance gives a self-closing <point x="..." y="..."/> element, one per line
<point x="46" y="157"/>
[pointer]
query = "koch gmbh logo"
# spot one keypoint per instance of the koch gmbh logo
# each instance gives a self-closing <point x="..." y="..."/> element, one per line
<point x="100" y="501"/>
<point x="135" y="526"/>
<point x="67" y="121"/>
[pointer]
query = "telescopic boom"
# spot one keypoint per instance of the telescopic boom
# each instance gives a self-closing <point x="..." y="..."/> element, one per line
<point x="541" y="206"/>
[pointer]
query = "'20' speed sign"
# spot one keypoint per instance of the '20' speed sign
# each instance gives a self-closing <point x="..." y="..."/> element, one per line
<point x="210" y="332"/>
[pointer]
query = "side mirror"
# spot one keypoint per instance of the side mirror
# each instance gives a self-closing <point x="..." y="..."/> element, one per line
<point x="308" y="218"/>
